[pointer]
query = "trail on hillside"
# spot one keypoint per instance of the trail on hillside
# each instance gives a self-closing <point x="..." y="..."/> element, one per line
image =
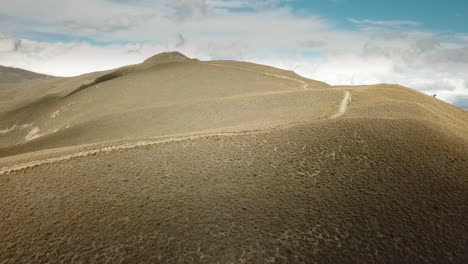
<point x="35" y="163"/>
<point x="85" y="153"/>
<point x="344" y="105"/>
<point x="305" y="85"/>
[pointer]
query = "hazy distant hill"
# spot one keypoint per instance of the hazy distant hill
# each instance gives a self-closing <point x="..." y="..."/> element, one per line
<point x="177" y="160"/>
<point x="14" y="75"/>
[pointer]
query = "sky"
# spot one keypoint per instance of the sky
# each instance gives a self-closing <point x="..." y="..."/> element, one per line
<point x="422" y="44"/>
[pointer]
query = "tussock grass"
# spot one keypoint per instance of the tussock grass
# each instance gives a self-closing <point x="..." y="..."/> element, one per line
<point x="269" y="176"/>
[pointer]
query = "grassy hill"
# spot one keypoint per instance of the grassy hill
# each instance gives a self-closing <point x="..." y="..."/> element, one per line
<point x="177" y="160"/>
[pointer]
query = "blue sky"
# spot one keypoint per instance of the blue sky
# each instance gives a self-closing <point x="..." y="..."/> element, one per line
<point x="416" y="43"/>
<point x="449" y="16"/>
<point x="439" y="15"/>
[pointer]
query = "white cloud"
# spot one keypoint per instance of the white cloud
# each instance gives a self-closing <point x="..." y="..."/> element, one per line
<point x="69" y="59"/>
<point x="463" y="37"/>
<point x="9" y="44"/>
<point x="385" y="23"/>
<point x="377" y="51"/>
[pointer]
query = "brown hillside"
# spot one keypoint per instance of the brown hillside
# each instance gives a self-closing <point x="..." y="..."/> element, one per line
<point x="183" y="161"/>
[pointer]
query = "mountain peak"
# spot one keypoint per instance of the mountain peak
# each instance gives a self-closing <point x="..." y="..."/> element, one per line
<point x="167" y="57"/>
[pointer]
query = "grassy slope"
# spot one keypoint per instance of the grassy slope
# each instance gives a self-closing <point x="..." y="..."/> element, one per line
<point x="159" y="99"/>
<point x="386" y="182"/>
<point x="331" y="191"/>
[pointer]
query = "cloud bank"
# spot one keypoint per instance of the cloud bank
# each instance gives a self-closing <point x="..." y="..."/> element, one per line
<point x="68" y="38"/>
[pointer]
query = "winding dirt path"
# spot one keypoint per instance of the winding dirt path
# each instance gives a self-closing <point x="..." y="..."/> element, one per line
<point x="35" y="163"/>
<point x="344" y="105"/>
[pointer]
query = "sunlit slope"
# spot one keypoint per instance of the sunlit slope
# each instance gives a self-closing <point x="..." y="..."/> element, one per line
<point x="229" y="162"/>
<point x="343" y="190"/>
<point x="17" y="96"/>
<point x="162" y="96"/>
<point x="268" y="70"/>
<point x="396" y="102"/>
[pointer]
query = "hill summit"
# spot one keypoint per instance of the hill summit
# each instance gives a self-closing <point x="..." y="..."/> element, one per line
<point x="166" y="57"/>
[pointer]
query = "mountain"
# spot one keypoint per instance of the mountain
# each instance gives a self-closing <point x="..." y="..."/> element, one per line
<point x="10" y="75"/>
<point x="177" y="160"/>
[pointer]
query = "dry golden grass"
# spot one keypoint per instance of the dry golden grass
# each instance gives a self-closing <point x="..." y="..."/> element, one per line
<point x="398" y="102"/>
<point x="154" y="99"/>
<point x="227" y="165"/>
